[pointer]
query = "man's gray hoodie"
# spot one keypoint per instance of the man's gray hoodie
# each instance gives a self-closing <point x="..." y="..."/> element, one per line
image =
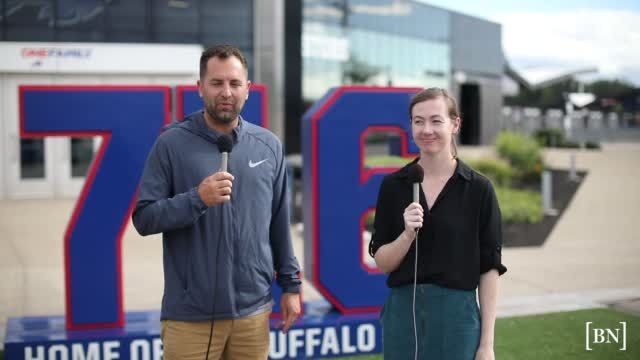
<point x="223" y="256"/>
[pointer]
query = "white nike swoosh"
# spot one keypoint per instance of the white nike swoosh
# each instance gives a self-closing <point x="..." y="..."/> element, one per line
<point x="252" y="164"/>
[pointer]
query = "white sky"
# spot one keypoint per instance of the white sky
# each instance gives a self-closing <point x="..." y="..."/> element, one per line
<point x="565" y="34"/>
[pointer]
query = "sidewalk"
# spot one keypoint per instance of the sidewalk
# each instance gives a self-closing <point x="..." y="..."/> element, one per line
<point x="596" y="243"/>
<point x="591" y="258"/>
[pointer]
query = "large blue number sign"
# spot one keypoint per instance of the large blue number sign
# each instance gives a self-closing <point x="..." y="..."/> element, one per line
<point x="339" y="189"/>
<point x="128" y="119"/>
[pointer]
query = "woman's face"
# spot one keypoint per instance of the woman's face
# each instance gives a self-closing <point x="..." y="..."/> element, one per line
<point x="431" y="127"/>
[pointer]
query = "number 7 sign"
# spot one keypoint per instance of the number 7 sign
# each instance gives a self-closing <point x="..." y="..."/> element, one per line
<point x="128" y="118"/>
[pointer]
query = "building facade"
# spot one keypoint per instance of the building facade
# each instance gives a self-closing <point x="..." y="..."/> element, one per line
<point x="299" y="49"/>
<point x="406" y="44"/>
<point x="105" y="42"/>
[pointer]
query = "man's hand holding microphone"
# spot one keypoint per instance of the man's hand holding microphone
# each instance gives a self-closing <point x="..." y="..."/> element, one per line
<point x="216" y="189"/>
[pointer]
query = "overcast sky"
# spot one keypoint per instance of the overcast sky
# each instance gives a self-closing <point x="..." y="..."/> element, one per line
<point x="565" y="33"/>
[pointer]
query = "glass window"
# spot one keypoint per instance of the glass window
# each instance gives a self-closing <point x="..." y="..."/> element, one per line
<point x="175" y="21"/>
<point x="332" y="12"/>
<point x="325" y="59"/>
<point x="401" y="17"/>
<point x="29" y="20"/>
<point x="2" y="19"/>
<point x="80" y="20"/>
<point x="228" y="22"/>
<point x="32" y="158"/>
<point x="81" y="156"/>
<point x="375" y="58"/>
<point x="127" y="21"/>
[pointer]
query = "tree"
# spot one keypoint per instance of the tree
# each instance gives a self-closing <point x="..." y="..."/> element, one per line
<point x="552" y="96"/>
<point x="609" y="89"/>
<point x="359" y="72"/>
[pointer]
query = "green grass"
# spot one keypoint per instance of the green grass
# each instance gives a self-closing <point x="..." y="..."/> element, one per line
<point x="559" y="336"/>
<point x="562" y="336"/>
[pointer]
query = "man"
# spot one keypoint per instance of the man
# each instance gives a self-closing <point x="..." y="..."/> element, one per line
<point x="224" y="233"/>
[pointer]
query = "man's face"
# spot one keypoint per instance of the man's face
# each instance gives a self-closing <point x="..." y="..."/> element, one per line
<point x="224" y="89"/>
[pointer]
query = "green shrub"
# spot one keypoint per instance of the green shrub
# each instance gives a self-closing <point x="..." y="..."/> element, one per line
<point x="522" y="152"/>
<point x="555" y="138"/>
<point x="549" y="137"/>
<point x="592" y="145"/>
<point x="519" y="206"/>
<point x="377" y="138"/>
<point x="386" y="160"/>
<point x="369" y="219"/>
<point x="498" y="171"/>
<point x="570" y="145"/>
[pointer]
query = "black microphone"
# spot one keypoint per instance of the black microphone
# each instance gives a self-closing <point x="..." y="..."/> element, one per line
<point x="416" y="175"/>
<point x="225" y="144"/>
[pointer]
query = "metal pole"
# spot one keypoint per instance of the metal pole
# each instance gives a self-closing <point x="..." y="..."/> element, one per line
<point x="547" y="194"/>
<point x="573" y="175"/>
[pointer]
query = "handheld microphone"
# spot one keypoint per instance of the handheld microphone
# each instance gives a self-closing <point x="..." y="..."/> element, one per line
<point x="225" y="144"/>
<point x="416" y="175"/>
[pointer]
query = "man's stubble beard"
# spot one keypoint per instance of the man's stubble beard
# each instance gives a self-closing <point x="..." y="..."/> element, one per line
<point x="222" y="117"/>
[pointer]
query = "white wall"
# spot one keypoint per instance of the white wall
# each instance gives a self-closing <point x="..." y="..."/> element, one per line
<point x="75" y="64"/>
<point x="98" y="58"/>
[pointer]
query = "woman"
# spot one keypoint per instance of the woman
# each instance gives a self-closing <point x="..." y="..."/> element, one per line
<point x="458" y="227"/>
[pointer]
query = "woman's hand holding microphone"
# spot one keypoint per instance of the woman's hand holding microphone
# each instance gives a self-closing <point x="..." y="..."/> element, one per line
<point x="413" y="216"/>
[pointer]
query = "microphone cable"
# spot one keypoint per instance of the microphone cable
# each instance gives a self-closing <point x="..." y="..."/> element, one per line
<point x="210" y="337"/>
<point x="213" y="307"/>
<point x="225" y="145"/>
<point x="415" y="285"/>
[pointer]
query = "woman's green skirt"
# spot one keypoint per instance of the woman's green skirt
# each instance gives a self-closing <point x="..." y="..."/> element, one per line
<point x="447" y="322"/>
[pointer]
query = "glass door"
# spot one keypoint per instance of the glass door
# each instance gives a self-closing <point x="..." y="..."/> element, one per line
<point x="75" y="155"/>
<point x="28" y="161"/>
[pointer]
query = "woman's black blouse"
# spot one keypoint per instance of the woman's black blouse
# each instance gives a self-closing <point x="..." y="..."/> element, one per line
<point x="461" y="235"/>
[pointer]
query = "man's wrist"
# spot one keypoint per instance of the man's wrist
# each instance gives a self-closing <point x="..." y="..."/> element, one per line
<point x="291" y="290"/>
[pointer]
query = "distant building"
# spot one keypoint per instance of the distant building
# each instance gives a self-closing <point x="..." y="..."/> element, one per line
<point x="299" y="49"/>
<point x="406" y="43"/>
<point x="101" y="42"/>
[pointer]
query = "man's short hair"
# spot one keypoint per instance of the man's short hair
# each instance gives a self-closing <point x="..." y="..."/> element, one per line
<point x="221" y="52"/>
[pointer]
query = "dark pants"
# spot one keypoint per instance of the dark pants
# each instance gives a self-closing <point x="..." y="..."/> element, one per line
<point x="447" y="320"/>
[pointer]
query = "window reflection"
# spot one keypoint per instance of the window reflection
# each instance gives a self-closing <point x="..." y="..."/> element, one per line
<point x="168" y="21"/>
<point x="340" y="56"/>
<point x="32" y="159"/>
<point x="401" y="17"/>
<point x="81" y="156"/>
